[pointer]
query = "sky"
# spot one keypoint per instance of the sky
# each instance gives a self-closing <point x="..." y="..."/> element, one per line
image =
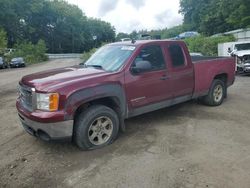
<point x="129" y="15"/>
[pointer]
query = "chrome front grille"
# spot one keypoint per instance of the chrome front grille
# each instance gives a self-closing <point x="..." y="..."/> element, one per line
<point x="26" y="97"/>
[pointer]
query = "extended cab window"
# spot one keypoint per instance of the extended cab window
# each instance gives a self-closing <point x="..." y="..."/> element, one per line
<point x="153" y="55"/>
<point x="176" y="55"/>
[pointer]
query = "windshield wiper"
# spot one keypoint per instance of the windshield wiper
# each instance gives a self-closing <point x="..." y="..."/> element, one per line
<point x="95" y="66"/>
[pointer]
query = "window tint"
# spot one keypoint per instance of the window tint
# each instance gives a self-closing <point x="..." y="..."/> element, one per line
<point x="152" y="54"/>
<point x="176" y="55"/>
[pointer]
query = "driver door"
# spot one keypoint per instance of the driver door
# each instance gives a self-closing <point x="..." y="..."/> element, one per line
<point x="152" y="86"/>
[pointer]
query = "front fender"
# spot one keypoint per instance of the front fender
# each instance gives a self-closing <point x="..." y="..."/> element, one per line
<point x="80" y="97"/>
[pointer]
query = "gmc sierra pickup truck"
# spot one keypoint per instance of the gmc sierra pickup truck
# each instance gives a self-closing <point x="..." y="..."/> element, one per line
<point x="89" y="103"/>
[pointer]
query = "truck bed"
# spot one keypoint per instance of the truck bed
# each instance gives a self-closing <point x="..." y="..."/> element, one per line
<point x="205" y="70"/>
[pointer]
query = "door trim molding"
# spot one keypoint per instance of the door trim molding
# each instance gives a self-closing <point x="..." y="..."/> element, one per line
<point x="158" y="105"/>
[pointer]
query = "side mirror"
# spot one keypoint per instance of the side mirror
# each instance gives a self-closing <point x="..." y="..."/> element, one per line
<point x="141" y="66"/>
<point x="229" y="50"/>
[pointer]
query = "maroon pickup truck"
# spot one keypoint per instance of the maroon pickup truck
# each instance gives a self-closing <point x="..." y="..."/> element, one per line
<point x="88" y="103"/>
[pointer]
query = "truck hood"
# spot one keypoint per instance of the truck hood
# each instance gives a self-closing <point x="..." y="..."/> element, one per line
<point x="241" y="53"/>
<point x="56" y="78"/>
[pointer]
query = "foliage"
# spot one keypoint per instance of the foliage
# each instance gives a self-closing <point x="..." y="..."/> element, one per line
<point x="174" y="31"/>
<point x="164" y="33"/>
<point x="215" y="16"/>
<point x="208" y="17"/>
<point x="32" y="53"/>
<point x="207" y="45"/>
<point x="3" y="41"/>
<point x="63" y="27"/>
<point x="120" y="36"/>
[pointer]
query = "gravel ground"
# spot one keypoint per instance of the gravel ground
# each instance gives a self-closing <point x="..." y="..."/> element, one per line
<point x="185" y="146"/>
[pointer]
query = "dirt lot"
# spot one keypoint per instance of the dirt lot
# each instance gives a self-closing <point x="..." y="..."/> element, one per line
<point x="189" y="145"/>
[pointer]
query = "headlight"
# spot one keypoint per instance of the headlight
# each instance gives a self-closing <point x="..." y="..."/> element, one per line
<point x="239" y="61"/>
<point x="48" y="101"/>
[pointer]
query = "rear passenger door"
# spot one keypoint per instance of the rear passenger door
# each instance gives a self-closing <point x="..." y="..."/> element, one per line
<point x="181" y="70"/>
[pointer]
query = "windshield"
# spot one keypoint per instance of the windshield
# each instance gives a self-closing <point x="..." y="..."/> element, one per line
<point x="245" y="46"/>
<point x="17" y="59"/>
<point x="110" y="58"/>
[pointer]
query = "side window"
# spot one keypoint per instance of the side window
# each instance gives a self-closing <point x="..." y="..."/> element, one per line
<point x="153" y="55"/>
<point x="176" y="55"/>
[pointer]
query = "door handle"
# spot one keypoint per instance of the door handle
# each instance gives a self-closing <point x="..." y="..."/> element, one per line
<point x="165" y="77"/>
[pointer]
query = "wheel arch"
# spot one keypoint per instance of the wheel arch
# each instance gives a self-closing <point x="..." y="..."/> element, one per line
<point x="111" y="102"/>
<point x="223" y="77"/>
<point x="112" y="96"/>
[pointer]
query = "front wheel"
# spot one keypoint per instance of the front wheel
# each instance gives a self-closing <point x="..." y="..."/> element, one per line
<point x="95" y="127"/>
<point x="216" y="93"/>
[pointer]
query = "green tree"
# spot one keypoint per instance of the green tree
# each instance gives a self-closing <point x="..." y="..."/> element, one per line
<point x="32" y="53"/>
<point x="215" y="16"/>
<point x="207" y="45"/>
<point x="63" y="26"/>
<point x="173" y="32"/>
<point x="121" y="35"/>
<point x="3" y="41"/>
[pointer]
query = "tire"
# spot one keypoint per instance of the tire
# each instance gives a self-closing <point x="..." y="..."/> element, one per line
<point x="216" y="94"/>
<point x="95" y="127"/>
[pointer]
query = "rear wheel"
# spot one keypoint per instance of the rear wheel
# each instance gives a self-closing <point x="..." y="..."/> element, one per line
<point x="216" y="93"/>
<point x="95" y="127"/>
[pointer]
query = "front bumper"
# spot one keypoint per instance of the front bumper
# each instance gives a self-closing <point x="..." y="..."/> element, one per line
<point x="48" y="131"/>
<point x="16" y="65"/>
<point x="243" y="68"/>
<point x="247" y="69"/>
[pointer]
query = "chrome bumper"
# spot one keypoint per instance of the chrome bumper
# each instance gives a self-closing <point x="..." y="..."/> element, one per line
<point x="48" y="131"/>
